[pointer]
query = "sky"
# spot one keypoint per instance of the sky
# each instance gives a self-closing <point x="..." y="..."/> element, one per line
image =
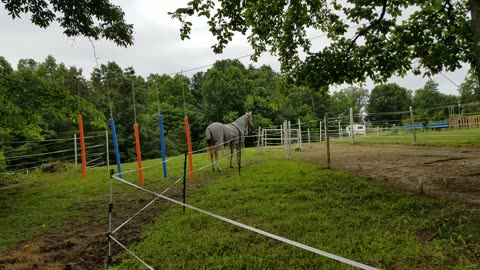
<point x="158" y="47"/>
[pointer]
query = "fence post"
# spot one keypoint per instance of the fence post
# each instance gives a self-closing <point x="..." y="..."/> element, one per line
<point x="108" y="152"/>
<point x="259" y="136"/>
<point x="299" y="134"/>
<point x="320" y="131"/>
<point x="327" y="140"/>
<point x="162" y="145"/>
<point x="339" y="128"/>
<point x="459" y="115"/>
<point x="281" y="134"/>
<point x="110" y="208"/>
<point x="184" y="178"/>
<point x="378" y="131"/>
<point x="365" y="127"/>
<point x="351" y="126"/>
<point x="289" y="140"/>
<point x="239" y="154"/>
<point x="285" y="138"/>
<point x="265" y="137"/>
<point x="308" y="132"/>
<point x="262" y="138"/>
<point x="413" y="126"/>
<point x="75" y="146"/>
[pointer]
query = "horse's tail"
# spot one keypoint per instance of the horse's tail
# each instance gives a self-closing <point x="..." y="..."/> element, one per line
<point x="209" y="138"/>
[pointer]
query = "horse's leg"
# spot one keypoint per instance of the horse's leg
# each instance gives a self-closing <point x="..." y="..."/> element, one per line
<point x="216" y="158"/>
<point x="210" y="152"/>
<point x="238" y="156"/>
<point x="231" y="155"/>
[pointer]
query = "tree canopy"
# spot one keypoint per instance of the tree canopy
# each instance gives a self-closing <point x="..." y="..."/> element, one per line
<point x="92" y="19"/>
<point x="388" y="98"/>
<point x="391" y="37"/>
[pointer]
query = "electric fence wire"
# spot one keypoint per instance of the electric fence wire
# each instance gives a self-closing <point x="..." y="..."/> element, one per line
<point x="244" y="226"/>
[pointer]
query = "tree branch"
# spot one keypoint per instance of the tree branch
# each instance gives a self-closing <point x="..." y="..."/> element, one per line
<point x="364" y="31"/>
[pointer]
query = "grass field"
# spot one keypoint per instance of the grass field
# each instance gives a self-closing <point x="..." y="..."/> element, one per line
<point x="329" y="210"/>
<point x="447" y="137"/>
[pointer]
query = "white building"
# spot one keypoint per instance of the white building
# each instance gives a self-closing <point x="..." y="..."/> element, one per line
<point x="357" y="129"/>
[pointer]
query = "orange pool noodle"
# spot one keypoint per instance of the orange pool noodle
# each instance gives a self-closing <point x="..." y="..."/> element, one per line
<point x="189" y="145"/>
<point x="139" y="154"/>
<point x="82" y="146"/>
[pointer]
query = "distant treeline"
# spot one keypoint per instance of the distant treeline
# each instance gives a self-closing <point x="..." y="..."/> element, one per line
<point x="41" y="101"/>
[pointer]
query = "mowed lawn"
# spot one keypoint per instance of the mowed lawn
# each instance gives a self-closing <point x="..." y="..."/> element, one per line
<point x="328" y="210"/>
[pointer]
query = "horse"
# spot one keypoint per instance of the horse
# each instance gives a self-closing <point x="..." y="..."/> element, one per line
<point x="218" y="134"/>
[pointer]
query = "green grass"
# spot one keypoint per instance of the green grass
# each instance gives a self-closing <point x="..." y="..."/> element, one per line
<point x="448" y="137"/>
<point x="329" y="210"/>
<point x="39" y="202"/>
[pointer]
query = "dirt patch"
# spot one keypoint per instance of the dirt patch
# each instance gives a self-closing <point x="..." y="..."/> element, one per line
<point x="446" y="172"/>
<point x="82" y="243"/>
<point x="443" y="160"/>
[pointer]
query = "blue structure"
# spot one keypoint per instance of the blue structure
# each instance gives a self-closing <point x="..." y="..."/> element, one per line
<point x="115" y="146"/>
<point x="438" y="125"/>
<point x="409" y="127"/>
<point x="162" y="145"/>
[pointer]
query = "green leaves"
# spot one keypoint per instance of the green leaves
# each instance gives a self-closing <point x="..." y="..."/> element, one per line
<point x="92" y="19"/>
<point x="388" y="98"/>
<point x="438" y="33"/>
<point x="36" y="97"/>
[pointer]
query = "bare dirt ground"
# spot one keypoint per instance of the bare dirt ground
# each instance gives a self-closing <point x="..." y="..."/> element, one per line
<point x="448" y="172"/>
<point x="453" y="173"/>
<point x="82" y="244"/>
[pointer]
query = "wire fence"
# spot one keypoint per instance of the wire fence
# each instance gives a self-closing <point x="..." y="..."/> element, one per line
<point x="161" y="195"/>
<point x="445" y="125"/>
<point x="25" y="156"/>
<point x="373" y="128"/>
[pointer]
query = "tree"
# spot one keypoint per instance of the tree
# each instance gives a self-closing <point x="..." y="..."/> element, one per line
<point x="113" y="89"/>
<point x="224" y="90"/>
<point x="470" y="94"/>
<point x="36" y="104"/>
<point x="431" y="104"/>
<point x="390" y="35"/>
<point x="92" y="19"/>
<point x="265" y="95"/>
<point x="34" y="97"/>
<point x="388" y="102"/>
<point x="350" y="97"/>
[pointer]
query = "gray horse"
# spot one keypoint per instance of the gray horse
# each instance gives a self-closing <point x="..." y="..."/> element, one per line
<point x="219" y="135"/>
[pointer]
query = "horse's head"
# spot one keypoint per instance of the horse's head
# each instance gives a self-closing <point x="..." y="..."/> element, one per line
<point x="249" y="121"/>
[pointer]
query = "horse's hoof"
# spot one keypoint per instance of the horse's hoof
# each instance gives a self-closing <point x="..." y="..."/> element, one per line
<point x="231" y="166"/>
<point x="219" y="170"/>
<point x="213" y="169"/>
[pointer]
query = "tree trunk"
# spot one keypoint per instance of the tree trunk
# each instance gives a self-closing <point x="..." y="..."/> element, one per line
<point x="475" y="10"/>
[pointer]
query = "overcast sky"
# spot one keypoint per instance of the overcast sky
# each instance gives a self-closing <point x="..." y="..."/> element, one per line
<point x="157" y="49"/>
